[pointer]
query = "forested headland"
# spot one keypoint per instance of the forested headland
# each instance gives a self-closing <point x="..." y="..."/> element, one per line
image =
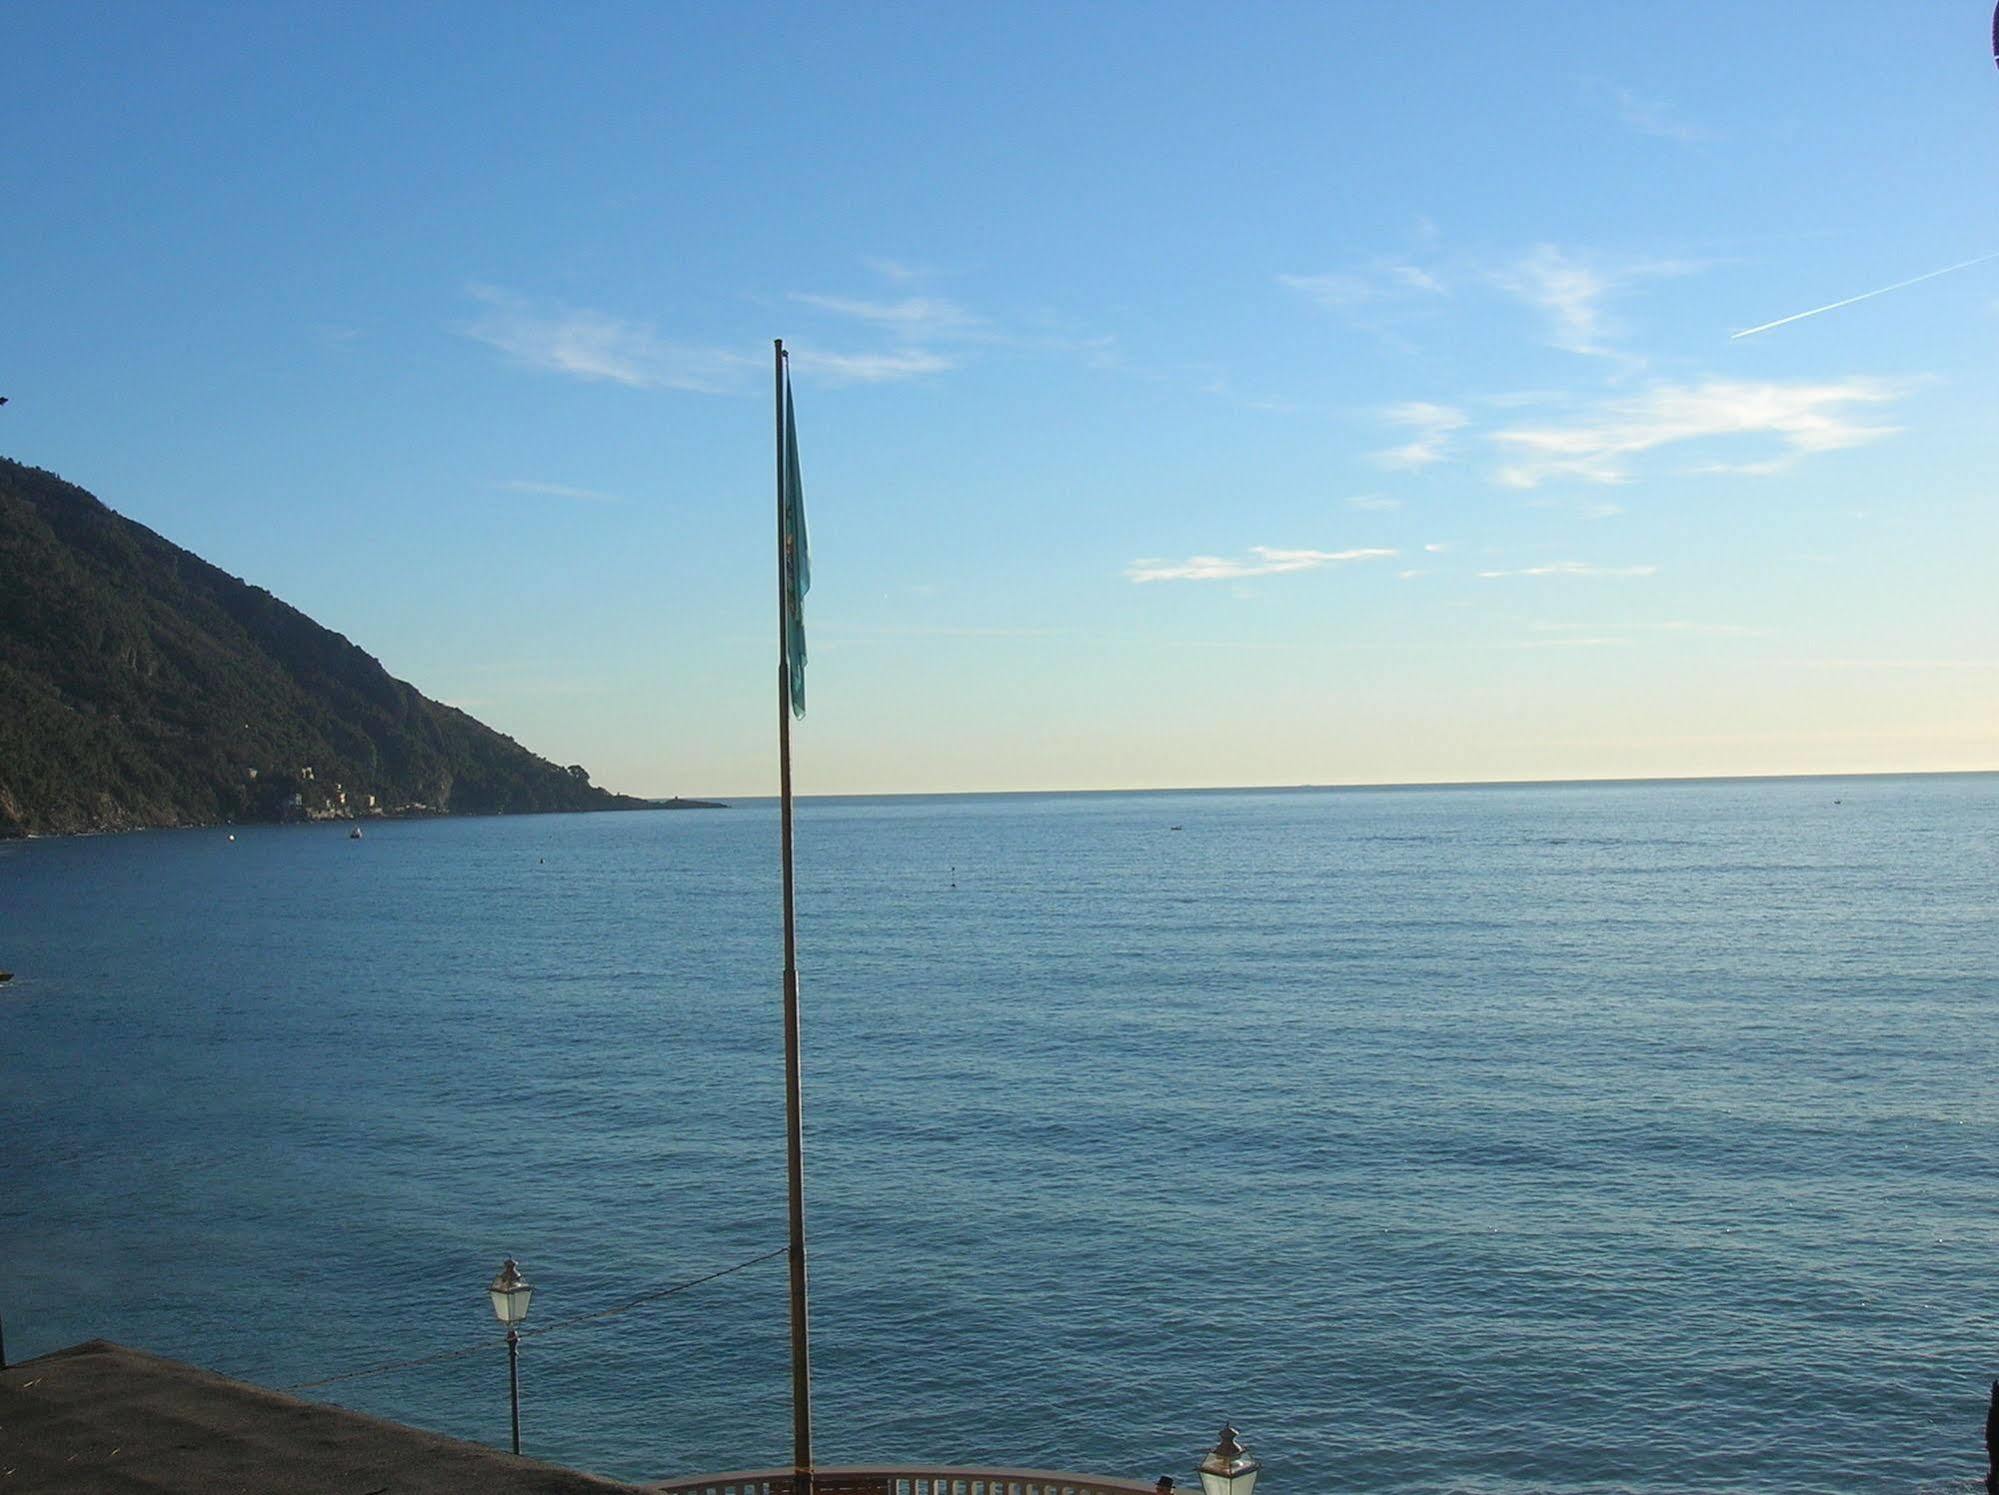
<point x="142" y="686"/>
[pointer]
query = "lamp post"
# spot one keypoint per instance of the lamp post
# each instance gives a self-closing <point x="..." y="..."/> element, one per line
<point x="511" y="1293"/>
<point x="1229" y="1468"/>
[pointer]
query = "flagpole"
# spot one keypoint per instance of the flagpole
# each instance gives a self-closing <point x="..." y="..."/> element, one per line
<point x="801" y="1354"/>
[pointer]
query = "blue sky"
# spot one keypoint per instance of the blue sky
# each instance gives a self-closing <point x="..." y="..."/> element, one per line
<point x="1188" y="394"/>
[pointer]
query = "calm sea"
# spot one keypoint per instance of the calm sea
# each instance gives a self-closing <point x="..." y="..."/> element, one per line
<point x="1598" y="1138"/>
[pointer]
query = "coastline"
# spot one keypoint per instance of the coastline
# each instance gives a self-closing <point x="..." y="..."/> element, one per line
<point x="628" y="804"/>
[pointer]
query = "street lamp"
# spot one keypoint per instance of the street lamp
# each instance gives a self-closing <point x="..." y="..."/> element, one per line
<point x="511" y="1293"/>
<point x="1229" y="1469"/>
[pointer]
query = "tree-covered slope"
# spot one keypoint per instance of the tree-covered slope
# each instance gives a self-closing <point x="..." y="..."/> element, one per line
<point x="141" y="686"/>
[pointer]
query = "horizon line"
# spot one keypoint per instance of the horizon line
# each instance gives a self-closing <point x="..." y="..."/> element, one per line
<point x="1372" y="786"/>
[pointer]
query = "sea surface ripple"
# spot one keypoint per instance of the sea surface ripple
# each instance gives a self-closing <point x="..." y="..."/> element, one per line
<point x="1593" y="1138"/>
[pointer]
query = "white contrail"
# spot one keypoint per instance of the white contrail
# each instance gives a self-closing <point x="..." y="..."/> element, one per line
<point x="1863" y="296"/>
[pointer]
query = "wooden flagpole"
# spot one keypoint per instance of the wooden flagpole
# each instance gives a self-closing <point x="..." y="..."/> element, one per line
<point x="801" y="1354"/>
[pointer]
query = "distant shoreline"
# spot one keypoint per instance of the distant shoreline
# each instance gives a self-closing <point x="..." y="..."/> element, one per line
<point x="632" y="805"/>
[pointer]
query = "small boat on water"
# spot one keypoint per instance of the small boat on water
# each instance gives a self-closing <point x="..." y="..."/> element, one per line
<point x="355" y="834"/>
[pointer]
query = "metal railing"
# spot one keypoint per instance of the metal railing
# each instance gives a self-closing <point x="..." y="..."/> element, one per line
<point x="903" y="1479"/>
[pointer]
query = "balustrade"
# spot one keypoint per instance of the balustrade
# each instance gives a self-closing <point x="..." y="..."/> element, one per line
<point x="904" y="1479"/>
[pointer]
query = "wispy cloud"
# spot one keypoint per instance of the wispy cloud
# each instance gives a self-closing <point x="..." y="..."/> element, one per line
<point x="897" y="271"/>
<point x="1515" y="399"/>
<point x="1570" y="293"/>
<point x="1574" y="568"/>
<point x="1585" y="511"/>
<point x="1656" y="118"/>
<point x="1336" y="290"/>
<point x="1222" y="387"/>
<point x="1262" y="560"/>
<point x="561" y="490"/>
<point x="1802" y="417"/>
<point x="1373" y="503"/>
<point x="1378" y="281"/>
<point x="930" y="334"/>
<point x="868" y="368"/>
<point x="1433" y="425"/>
<point x="594" y="345"/>
<point x="916" y="324"/>
<point x="1412" y="278"/>
<point x="1574" y="292"/>
<point x="583" y="343"/>
<point x="1386" y="298"/>
<point x="911" y="317"/>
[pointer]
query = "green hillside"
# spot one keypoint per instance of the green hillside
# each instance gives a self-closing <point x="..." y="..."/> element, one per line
<point x="141" y="686"/>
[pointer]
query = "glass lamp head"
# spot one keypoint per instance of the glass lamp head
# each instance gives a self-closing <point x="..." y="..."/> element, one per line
<point x="1229" y="1469"/>
<point x="511" y="1293"/>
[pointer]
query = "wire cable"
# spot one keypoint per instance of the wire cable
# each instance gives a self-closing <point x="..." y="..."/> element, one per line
<point x="486" y="1345"/>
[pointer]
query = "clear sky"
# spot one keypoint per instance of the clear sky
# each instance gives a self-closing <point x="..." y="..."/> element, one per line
<point x="1188" y="394"/>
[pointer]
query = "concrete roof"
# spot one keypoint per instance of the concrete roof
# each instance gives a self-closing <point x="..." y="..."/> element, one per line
<point x="103" y="1419"/>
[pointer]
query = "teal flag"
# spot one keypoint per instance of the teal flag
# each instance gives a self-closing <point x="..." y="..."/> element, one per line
<point x="797" y="562"/>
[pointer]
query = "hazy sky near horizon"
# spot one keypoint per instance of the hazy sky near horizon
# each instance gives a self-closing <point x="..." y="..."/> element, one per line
<point x="1188" y="395"/>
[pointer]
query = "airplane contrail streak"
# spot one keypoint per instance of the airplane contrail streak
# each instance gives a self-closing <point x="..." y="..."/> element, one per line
<point x="1863" y="296"/>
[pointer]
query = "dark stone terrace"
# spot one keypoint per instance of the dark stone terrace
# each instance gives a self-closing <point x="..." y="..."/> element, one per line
<point x="100" y="1419"/>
